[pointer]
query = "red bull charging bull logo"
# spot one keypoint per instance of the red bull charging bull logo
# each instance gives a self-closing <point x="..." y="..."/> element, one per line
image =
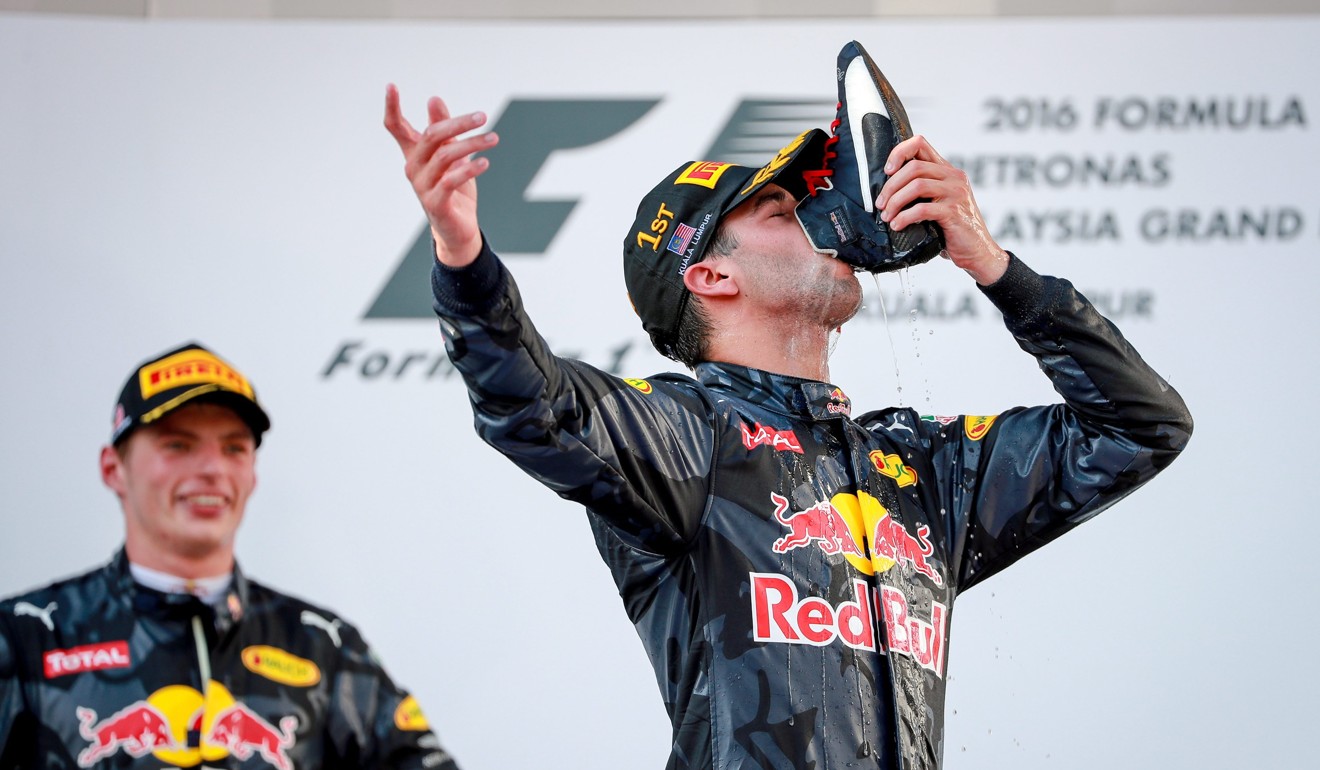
<point x="137" y="730"/>
<point x="821" y="524"/>
<point x="839" y="403"/>
<point x="860" y="529"/>
<point x="160" y="726"/>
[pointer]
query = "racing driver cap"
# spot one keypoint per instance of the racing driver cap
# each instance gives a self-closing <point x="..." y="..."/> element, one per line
<point x="677" y="220"/>
<point x="181" y="376"/>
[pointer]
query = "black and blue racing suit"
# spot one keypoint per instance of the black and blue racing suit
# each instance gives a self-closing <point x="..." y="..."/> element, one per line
<point x="98" y="671"/>
<point x="790" y="567"/>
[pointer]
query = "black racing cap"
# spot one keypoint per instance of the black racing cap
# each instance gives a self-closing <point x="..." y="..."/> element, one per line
<point x="677" y="220"/>
<point x="181" y="376"/>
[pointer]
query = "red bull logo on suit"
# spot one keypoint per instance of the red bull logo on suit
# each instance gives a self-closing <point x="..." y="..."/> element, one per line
<point x="858" y="527"/>
<point x="780" y="616"/>
<point x="160" y="725"/>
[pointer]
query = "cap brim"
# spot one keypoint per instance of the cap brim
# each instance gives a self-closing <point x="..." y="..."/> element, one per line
<point x="786" y="169"/>
<point x="247" y="410"/>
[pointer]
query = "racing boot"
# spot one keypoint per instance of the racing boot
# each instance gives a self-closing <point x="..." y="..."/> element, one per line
<point x="839" y="213"/>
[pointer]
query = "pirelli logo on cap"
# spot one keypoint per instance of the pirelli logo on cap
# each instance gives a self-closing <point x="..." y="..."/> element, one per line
<point x="191" y="367"/>
<point x="706" y="173"/>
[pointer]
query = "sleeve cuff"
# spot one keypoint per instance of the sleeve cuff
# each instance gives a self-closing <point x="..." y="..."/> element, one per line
<point x="1019" y="293"/>
<point x="469" y="290"/>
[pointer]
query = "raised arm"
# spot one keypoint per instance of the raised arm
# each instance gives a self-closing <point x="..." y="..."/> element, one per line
<point x="443" y="173"/>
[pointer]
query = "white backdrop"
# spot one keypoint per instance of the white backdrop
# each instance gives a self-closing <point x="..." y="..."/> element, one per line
<point x="232" y="183"/>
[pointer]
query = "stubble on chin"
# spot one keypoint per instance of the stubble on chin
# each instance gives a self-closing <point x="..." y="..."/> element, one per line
<point x="839" y="297"/>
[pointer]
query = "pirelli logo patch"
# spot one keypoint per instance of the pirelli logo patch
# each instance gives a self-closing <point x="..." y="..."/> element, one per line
<point x="191" y="367"/>
<point x="704" y="172"/>
<point x="280" y="666"/>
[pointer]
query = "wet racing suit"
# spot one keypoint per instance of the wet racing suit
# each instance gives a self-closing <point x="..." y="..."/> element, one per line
<point x="790" y="568"/>
<point x="98" y="671"/>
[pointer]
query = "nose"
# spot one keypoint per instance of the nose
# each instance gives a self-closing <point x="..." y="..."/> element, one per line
<point x="210" y="459"/>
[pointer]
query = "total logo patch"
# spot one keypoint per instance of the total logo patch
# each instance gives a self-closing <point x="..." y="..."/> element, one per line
<point x="88" y="657"/>
<point x="161" y="724"/>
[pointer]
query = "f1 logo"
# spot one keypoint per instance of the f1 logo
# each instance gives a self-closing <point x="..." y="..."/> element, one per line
<point x="531" y="130"/>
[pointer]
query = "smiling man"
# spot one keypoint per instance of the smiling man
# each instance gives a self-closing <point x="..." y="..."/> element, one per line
<point x="169" y="655"/>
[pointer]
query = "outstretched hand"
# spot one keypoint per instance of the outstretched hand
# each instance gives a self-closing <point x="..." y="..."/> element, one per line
<point x="443" y="173"/>
<point x="942" y="194"/>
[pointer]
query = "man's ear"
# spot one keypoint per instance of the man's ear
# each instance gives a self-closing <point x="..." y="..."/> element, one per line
<point x="112" y="469"/>
<point x="712" y="278"/>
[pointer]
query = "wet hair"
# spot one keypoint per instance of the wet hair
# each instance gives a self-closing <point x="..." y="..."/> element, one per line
<point x="692" y="337"/>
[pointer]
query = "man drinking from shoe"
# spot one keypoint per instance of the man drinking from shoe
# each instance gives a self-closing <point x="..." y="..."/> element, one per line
<point x="790" y="566"/>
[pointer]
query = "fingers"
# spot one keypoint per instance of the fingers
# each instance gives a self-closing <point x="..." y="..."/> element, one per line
<point x="442" y="128"/>
<point x="438" y="152"/>
<point x="923" y="186"/>
<point x="441" y="180"/>
<point x="431" y="154"/>
<point x="913" y="148"/>
<point x="436" y="109"/>
<point x="395" y="123"/>
<point x="915" y="183"/>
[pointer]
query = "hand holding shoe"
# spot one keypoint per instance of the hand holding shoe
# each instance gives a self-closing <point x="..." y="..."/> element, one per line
<point x="924" y="187"/>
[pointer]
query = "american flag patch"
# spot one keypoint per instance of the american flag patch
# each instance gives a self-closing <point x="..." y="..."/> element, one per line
<point x="682" y="237"/>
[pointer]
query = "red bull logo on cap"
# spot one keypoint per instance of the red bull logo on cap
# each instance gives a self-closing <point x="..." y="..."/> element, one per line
<point x="161" y="725"/>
